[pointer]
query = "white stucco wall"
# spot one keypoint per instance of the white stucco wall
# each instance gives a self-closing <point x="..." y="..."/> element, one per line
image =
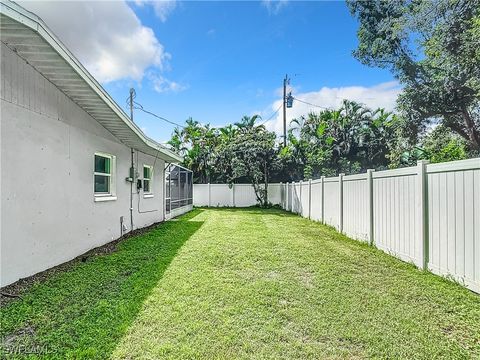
<point x="48" y="212"/>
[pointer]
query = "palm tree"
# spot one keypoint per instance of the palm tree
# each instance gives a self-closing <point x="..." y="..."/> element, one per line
<point x="248" y="122"/>
<point x="177" y="141"/>
<point x="227" y="133"/>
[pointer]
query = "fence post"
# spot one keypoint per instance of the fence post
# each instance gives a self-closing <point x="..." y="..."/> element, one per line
<point x="323" y="199"/>
<point x="340" y="191"/>
<point x="370" y="205"/>
<point x="300" y="203"/>
<point x="286" y="196"/>
<point x="309" y="198"/>
<point x="289" y="199"/>
<point x="233" y="195"/>
<point x="281" y="194"/>
<point x="292" y="205"/>
<point x="422" y="207"/>
<point x="209" y="190"/>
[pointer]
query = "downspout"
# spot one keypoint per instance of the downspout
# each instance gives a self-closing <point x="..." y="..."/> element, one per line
<point x="131" y="191"/>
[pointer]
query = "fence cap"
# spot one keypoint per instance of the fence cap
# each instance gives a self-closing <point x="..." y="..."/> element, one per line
<point x="423" y="162"/>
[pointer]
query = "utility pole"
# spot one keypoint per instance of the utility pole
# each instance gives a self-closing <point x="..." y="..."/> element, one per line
<point x="132" y="95"/>
<point x="286" y="81"/>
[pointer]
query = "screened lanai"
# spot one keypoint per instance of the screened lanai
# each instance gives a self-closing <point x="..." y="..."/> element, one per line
<point x="178" y="190"/>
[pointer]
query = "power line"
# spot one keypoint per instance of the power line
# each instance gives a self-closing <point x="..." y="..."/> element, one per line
<point x="271" y="116"/>
<point x="306" y="102"/>
<point x="140" y="107"/>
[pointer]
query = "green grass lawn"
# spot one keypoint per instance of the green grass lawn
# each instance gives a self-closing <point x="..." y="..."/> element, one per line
<point x="232" y="283"/>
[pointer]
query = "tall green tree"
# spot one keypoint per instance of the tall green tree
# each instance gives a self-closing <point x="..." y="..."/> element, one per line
<point x="251" y="155"/>
<point x="350" y="139"/>
<point x="432" y="47"/>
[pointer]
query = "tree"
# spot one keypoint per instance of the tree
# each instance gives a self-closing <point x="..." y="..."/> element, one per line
<point x="441" y="78"/>
<point x="443" y="145"/>
<point x="348" y="140"/>
<point x="251" y="155"/>
<point x="196" y="143"/>
<point x="248" y="122"/>
<point x="439" y="145"/>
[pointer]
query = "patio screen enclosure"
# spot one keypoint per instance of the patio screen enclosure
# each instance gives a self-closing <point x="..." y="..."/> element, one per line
<point x="179" y="188"/>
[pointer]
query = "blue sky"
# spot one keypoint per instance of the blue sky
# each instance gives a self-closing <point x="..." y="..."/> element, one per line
<point x="221" y="60"/>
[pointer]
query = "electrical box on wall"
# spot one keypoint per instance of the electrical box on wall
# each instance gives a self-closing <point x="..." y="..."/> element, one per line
<point x="131" y="175"/>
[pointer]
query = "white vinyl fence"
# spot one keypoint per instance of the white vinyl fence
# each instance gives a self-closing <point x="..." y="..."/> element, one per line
<point x="236" y="195"/>
<point x="428" y="214"/>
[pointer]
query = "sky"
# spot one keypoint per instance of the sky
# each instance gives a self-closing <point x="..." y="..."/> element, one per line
<point x="218" y="61"/>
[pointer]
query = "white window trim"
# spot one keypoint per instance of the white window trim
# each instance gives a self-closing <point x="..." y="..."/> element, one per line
<point x="148" y="194"/>
<point x="104" y="198"/>
<point x="110" y="196"/>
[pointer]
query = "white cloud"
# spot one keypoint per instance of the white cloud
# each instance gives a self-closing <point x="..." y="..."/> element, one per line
<point x="383" y="95"/>
<point x="274" y="6"/>
<point x="106" y="36"/>
<point x="162" y="84"/>
<point x="162" y="8"/>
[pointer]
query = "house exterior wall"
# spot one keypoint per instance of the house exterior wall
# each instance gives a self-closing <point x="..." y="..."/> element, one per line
<point x="48" y="212"/>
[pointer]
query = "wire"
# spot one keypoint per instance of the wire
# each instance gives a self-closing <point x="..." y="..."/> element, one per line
<point x="271" y="116"/>
<point x="140" y="107"/>
<point x="306" y="102"/>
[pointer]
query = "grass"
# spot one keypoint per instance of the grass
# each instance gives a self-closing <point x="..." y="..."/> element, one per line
<point x="232" y="283"/>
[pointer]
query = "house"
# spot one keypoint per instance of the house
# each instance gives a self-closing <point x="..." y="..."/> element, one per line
<point x="76" y="172"/>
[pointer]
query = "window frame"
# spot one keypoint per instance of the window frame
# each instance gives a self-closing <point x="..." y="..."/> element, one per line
<point x="148" y="193"/>
<point x="111" y="194"/>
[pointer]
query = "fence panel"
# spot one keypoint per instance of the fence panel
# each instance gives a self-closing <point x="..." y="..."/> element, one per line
<point x="305" y="199"/>
<point x="454" y="221"/>
<point x="244" y="195"/>
<point x="289" y="197"/>
<point x="220" y="195"/>
<point x="331" y="205"/>
<point x="356" y="207"/>
<point x="296" y="198"/>
<point x="316" y="200"/>
<point x="275" y="193"/>
<point x="283" y="196"/>
<point x="200" y="194"/>
<point x="396" y="216"/>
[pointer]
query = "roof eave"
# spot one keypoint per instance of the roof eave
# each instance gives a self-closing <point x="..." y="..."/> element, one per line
<point x="36" y="24"/>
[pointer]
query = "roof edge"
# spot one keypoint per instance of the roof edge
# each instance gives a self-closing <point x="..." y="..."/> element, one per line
<point x="35" y="23"/>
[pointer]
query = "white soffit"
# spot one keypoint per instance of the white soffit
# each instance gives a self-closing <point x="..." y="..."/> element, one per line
<point x="27" y="35"/>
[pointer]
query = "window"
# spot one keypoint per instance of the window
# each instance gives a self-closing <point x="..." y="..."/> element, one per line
<point x="103" y="178"/>
<point x="147" y="179"/>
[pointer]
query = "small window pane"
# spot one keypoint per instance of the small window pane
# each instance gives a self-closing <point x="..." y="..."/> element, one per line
<point x="146" y="185"/>
<point x="102" y="164"/>
<point x="146" y="172"/>
<point x="102" y="184"/>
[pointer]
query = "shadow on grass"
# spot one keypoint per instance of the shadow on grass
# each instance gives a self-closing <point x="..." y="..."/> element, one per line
<point x="85" y="311"/>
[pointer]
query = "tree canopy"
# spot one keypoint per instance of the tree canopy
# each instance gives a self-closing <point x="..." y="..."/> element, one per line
<point x="433" y="48"/>
<point x="349" y="139"/>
